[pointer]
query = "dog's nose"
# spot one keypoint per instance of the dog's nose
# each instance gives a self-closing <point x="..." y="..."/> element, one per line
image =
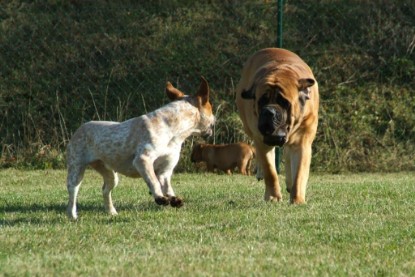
<point x="207" y="133"/>
<point x="280" y="140"/>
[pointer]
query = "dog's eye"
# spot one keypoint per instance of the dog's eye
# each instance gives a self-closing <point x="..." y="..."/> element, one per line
<point x="264" y="100"/>
<point x="284" y="103"/>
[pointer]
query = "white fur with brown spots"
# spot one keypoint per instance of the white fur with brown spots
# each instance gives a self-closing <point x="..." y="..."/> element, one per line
<point x="147" y="146"/>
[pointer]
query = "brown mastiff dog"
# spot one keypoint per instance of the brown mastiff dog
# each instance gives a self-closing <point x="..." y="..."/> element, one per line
<point x="225" y="157"/>
<point x="278" y="100"/>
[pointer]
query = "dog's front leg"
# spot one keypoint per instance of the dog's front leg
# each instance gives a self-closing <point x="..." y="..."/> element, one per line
<point x="165" y="181"/>
<point x="144" y="165"/>
<point x="297" y="175"/>
<point x="266" y="159"/>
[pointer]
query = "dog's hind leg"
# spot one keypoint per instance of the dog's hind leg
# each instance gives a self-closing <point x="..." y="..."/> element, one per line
<point x="243" y="166"/>
<point x="248" y="167"/>
<point x="259" y="173"/>
<point x="210" y="167"/>
<point x="288" y="174"/>
<point x="74" y="180"/>
<point x="110" y="181"/>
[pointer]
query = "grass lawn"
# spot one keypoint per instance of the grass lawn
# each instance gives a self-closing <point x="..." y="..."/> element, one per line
<point x="352" y="225"/>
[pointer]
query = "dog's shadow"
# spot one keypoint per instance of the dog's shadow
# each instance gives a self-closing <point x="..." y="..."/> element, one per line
<point x="16" y="214"/>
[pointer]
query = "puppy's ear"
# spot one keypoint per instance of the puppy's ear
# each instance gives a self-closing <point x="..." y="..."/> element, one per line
<point x="303" y="87"/>
<point x="203" y="91"/>
<point x="173" y="93"/>
<point x="248" y="94"/>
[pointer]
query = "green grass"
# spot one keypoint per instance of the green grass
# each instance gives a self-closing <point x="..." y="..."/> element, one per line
<point x="352" y="225"/>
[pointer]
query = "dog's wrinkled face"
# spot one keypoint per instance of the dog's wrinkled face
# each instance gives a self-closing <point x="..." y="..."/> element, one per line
<point x="274" y="117"/>
<point x="276" y="108"/>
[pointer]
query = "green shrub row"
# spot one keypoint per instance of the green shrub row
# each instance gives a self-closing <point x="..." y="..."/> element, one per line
<point x="68" y="62"/>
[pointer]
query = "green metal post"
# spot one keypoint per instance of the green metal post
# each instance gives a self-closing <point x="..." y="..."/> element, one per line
<point x="279" y="44"/>
<point x="279" y="15"/>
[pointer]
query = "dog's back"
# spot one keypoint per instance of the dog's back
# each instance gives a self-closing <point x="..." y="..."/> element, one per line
<point x="237" y="151"/>
<point x="116" y="143"/>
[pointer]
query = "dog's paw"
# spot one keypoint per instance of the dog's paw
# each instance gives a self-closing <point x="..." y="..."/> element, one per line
<point x="176" y="202"/>
<point x="298" y="200"/>
<point x="72" y="217"/>
<point x="162" y="200"/>
<point x="71" y="213"/>
<point x="112" y="212"/>
<point x="273" y="198"/>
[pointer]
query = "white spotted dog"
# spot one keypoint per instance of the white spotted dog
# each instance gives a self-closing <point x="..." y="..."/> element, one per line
<point x="147" y="146"/>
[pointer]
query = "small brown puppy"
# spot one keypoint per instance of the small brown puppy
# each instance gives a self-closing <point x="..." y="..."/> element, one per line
<point x="225" y="156"/>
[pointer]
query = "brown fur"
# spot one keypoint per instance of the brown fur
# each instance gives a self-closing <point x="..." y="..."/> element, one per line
<point x="225" y="157"/>
<point x="277" y="71"/>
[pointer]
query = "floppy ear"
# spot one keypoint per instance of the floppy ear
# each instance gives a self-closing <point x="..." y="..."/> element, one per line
<point x="303" y="87"/>
<point x="173" y="93"/>
<point x="248" y="94"/>
<point x="261" y="73"/>
<point x="203" y="91"/>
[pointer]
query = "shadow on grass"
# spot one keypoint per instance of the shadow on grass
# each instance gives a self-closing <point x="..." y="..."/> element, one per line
<point x="32" y="208"/>
<point x="18" y="214"/>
